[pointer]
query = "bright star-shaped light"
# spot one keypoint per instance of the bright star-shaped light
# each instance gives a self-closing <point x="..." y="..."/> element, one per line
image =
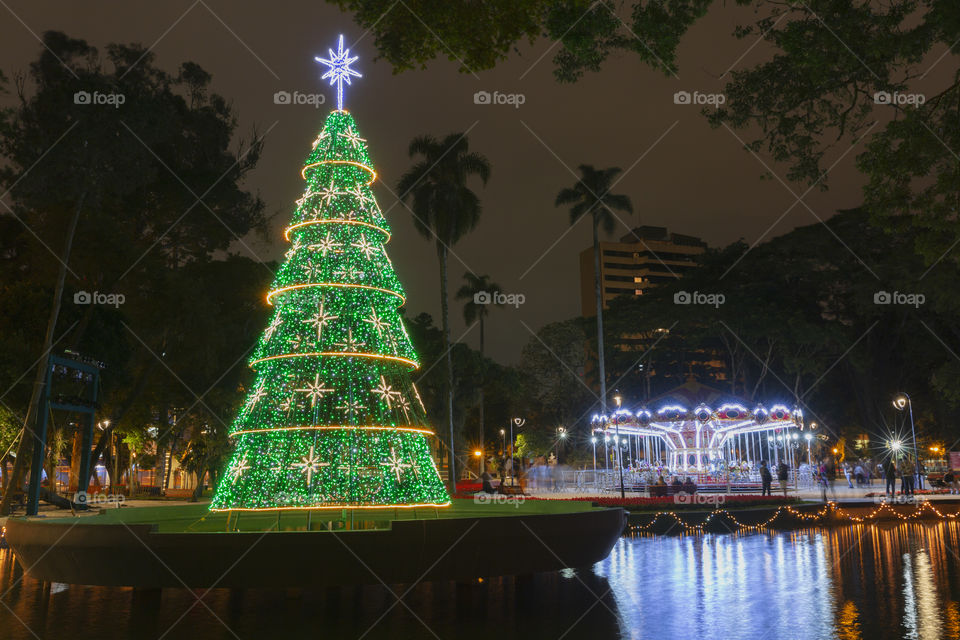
<point x="339" y="69"/>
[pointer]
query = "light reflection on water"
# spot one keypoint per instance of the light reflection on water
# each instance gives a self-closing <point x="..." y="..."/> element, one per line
<point x="892" y="581"/>
<point x="857" y="582"/>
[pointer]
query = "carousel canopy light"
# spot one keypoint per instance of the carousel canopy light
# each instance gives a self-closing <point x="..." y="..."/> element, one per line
<point x="672" y="407"/>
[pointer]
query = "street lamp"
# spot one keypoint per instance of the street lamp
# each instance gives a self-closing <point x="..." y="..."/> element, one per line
<point x="503" y="442"/>
<point x="561" y="435"/>
<point x="616" y="425"/>
<point x="513" y="472"/>
<point x="808" y="438"/>
<point x="900" y="402"/>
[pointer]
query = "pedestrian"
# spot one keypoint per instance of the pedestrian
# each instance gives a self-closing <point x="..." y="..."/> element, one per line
<point x="949" y="480"/>
<point x="830" y="471"/>
<point x="921" y="470"/>
<point x="822" y="479"/>
<point x="766" y="479"/>
<point x="858" y="472"/>
<point x="891" y="477"/>
<point x="487" y="482"/>
<point x="906" y="479"/>
<point x="848" y="474"/>
<point x="782" y="473"/>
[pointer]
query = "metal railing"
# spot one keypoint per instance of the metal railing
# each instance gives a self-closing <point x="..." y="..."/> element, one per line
<point x="564" y="480"/>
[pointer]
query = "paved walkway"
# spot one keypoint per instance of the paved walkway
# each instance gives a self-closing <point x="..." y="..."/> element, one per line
<point x="841" y="493"/>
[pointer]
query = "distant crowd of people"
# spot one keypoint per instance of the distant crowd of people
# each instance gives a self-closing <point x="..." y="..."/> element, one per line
<point x="908" y="471"/>
<point x="543" y="473"/>
<point x="766" y="477"/>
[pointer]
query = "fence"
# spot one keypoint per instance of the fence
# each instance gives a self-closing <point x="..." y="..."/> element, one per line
<point x="549" y="480"/>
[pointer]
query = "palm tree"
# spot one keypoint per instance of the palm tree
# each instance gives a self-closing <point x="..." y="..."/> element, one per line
<point x="444" y="209"/>
<point x="476" y="310"/>
<point x="591" y="196"/>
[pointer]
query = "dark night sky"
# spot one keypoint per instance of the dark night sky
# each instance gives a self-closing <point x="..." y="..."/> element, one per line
<point x="695" y="180"/>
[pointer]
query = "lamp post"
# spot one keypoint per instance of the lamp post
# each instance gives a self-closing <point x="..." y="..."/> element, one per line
<point x="616" y="425"/>
<point x="895" y="446"/>
<point x="593" y="441"/>
<point x="561" y="435"/>
<point x="513" y="472"/>
<point x="900" y="402"/>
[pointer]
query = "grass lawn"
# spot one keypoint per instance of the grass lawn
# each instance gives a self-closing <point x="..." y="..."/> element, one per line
<point x="197" y="518"/>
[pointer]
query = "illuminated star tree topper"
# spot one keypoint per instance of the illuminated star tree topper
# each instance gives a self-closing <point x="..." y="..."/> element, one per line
<point x="339" y="69"/>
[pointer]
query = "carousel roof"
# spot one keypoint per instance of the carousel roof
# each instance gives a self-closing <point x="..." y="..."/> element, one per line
<point x="694" y="402"/>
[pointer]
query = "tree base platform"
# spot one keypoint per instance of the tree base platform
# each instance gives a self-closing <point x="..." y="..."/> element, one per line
<point x="189" y="547"/>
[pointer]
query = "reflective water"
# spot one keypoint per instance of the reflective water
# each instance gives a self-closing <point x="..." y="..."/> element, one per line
<point x="870" y="582"/>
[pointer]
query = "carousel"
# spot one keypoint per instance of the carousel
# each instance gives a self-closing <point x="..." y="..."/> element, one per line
<point x="726" y="441"/>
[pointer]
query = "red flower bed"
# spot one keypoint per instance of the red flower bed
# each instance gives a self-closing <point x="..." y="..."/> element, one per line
<point x="699" y="501"/>
<point x="919" y="492"/>
<point x="702" y="501"/>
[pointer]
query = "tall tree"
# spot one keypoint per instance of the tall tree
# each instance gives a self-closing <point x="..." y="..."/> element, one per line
<point x="591" y="197"/>
<point x="126" y="148"/>
<point x="444" y="209"/>
<point x="480" y="295"/>
<point x="842" y="74"/>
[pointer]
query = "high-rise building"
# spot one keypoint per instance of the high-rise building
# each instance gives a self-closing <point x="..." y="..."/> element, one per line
<point x="643" y="258"/>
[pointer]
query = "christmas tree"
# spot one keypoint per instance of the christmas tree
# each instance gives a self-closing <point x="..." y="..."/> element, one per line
<point x="333" y="419"/>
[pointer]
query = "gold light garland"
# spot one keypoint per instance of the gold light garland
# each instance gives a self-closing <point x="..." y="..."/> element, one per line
<point x="373" y="174"/>
<point x="339" y="285"/>
<point x="299" y="225"/>
<point x="338" y="354"/>
<point x="817" y="517"/>
<point x="341" y="507"/>
<point x="428" y="432"/>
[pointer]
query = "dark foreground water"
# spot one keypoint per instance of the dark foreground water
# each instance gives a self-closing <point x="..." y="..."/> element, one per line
<point x="895" y="581"/>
